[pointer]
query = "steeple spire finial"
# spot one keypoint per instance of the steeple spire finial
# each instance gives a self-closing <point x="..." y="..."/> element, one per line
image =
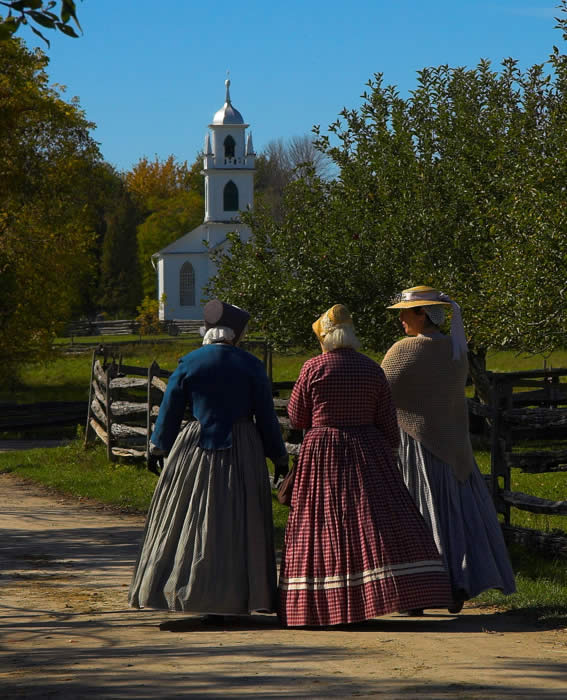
<point x="227" y="83"/>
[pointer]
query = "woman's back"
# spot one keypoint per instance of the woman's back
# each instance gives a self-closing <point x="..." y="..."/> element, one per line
<point x="341" y="388"/>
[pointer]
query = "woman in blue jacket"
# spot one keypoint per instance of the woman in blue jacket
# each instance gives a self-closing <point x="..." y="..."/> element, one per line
<point x="208" y="543"/>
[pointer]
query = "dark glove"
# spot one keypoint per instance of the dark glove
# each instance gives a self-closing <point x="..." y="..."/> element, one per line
<point x="281" y="467"/>
<point x="155" y="463"/>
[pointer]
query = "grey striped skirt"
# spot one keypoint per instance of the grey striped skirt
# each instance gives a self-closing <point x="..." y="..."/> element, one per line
<point x="208" y="543"/>
<point x="462" y="518"/>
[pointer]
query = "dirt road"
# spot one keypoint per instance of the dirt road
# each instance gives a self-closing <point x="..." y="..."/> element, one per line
<point x="67" y="633"/>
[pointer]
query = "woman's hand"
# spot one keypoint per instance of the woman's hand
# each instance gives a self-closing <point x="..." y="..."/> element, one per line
<point x="281" y="467"/>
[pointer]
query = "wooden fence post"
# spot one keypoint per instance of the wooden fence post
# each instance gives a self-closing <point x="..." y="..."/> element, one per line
<point x="110" y="374"/>
<point x="88" y="429"/>
<point x="497" y="460"/>
<point x="153" y="371"/>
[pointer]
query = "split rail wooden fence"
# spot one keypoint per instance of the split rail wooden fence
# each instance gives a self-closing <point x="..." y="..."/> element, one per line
<point x="123" y="405"/>
<point x="528" y="424"/>
<point x="128" y="327"/>
<point x="45" y="414"/>
<point x="124" y="401"/>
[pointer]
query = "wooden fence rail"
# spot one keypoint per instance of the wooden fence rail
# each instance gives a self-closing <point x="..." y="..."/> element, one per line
<point x="123" y="405"/>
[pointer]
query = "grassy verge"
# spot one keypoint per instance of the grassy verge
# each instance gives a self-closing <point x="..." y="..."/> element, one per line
<point x="541" y="588"/>
<point x="84" y="474"/>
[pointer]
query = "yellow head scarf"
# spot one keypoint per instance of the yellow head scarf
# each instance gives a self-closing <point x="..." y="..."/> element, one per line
<point x="337" y="316"/>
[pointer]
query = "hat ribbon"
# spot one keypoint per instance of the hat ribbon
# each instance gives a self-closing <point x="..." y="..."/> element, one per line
<point x="421" y="296"/>
<point x="458" y="338"/>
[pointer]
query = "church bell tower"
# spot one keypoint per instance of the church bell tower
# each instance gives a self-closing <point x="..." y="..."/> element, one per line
<point x="228" y="165"/>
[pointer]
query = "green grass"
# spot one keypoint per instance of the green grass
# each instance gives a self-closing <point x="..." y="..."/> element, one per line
<point x="510" y="361"/>
<point x="65" y="377"/>
<point x="84" y="474"/>
<point x="541" y="588"/>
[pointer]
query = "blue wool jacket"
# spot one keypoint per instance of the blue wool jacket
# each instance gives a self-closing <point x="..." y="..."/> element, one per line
<point x="220" y="384"/>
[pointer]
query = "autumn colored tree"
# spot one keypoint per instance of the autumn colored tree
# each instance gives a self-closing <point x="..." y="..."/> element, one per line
<point x="171" y="194"/>
<point x="172" y="217"/>
<point x="153" y="180"/>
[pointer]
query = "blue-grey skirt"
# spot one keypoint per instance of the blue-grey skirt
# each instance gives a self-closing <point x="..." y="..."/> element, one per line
<point x="208" y="544"/>
<point x="463" y="520"/>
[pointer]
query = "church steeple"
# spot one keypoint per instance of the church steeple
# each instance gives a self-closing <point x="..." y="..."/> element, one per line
<point x="228" y="165"/>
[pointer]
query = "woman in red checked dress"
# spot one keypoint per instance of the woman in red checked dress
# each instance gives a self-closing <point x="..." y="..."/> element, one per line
<point x="356" y="546"/>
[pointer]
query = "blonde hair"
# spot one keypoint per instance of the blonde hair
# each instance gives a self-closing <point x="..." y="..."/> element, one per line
<point x="342" y="336"/>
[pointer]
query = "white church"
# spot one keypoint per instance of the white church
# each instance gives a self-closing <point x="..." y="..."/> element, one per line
<point x="184" y="266"/>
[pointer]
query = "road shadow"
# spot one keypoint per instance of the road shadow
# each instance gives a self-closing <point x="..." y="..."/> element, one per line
<point x="435" y="621"/>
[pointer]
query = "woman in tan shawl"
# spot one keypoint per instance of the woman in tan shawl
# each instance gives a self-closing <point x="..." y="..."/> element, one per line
<point x="427" y="372"/>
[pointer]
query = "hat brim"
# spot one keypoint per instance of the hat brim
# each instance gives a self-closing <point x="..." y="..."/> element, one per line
<point x="412" y="304"/>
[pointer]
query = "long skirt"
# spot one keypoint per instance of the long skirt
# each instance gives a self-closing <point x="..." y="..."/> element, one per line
<point x="462" y="518"/>
<point x="356" y="546"/>
<point x="208" y="544"/>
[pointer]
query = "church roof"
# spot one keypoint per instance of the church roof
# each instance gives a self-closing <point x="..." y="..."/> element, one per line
<point x="228" y="114"/>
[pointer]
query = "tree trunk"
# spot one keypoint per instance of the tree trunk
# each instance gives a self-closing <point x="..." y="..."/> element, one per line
<point x="479" y="376"/>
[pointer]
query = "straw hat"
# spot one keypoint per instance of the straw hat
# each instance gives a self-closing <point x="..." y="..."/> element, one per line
<point x="419" y="296"/>
<point x="337" y="316"/>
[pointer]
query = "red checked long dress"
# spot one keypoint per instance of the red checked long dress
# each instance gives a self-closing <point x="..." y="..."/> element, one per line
<point x="356" y="546"/>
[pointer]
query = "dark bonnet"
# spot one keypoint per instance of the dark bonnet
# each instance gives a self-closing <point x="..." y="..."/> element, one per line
<point x="219" y="313"/>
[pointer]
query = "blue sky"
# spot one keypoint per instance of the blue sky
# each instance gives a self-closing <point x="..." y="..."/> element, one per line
<point x="150" y="73"/>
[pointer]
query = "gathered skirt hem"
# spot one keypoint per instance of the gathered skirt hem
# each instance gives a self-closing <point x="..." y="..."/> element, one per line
<point x="348" y="605"/>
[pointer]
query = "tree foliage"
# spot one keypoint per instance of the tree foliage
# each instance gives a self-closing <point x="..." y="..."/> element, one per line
<point x="47" y="207"/>
<point x="119" y="288"/>
<point x="37" y="13"/>
<point x="150" y="181"/>
<point x="461" y="185"/>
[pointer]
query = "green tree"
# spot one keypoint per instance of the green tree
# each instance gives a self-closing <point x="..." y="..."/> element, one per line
<point x="37" y="13"/>
<point x="458" y="186"/>
<point x="47" y="221"/>
<point x="119" y="283"/>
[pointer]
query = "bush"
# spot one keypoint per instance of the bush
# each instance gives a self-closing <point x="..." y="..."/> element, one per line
<point x="148" y="317"/>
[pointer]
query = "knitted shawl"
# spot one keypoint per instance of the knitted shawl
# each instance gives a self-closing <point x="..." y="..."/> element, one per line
<point x="428" y="388"/>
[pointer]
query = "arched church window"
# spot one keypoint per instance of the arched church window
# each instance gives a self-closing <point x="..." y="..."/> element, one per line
<point x="229" y="146"/>
<point x="230" y="196"/>
<point x="187" y="285"/>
